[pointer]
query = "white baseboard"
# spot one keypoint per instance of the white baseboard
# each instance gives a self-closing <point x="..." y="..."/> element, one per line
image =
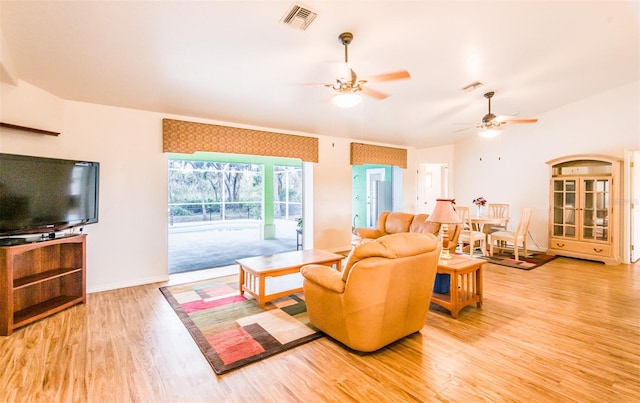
<point x="125" y="284"/>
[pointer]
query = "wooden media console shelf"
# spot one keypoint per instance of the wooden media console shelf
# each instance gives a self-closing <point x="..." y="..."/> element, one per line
<point x="39" y="279"/>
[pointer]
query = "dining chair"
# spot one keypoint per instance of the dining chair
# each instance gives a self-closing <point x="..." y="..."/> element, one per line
<point x="468" y="235"/>
<point x="517" y="237"/>
<point x="500" y="210"/>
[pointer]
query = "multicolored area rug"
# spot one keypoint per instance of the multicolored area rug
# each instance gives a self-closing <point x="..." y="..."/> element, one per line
<point x="231" y="330"/>
<point x="534" y="260"/>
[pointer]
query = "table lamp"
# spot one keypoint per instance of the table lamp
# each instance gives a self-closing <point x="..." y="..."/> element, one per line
<point x="444" y="214"/>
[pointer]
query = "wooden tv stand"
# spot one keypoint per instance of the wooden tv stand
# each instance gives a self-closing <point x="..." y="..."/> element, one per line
<point x="39" y="279"/>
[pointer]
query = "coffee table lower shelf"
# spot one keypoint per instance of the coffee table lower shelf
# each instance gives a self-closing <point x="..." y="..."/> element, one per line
<point x="256" y="271"/>
<point x="260" y="287"/>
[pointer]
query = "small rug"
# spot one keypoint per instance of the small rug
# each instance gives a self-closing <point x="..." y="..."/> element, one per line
<point x="535" y="259"/>
<point x="231" y="330"/>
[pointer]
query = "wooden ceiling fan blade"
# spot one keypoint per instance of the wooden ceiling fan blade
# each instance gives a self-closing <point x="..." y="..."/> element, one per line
<point x="373" y="93"/>
<point x="396" y="75"/>
<point x="521" y="121"/>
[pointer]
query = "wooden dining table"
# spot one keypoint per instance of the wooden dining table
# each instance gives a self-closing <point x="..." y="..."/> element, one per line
<point x="480" y="222"/>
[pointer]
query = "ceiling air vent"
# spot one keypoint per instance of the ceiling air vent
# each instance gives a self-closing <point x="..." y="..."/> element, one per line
<point x="299" y="17"/>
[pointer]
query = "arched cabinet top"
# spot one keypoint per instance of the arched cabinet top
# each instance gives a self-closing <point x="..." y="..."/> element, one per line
<point x="584" y="157"/>
<point x="577" y="165"/>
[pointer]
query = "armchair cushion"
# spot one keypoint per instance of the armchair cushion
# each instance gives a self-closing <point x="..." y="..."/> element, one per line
<point x="389" y="247"/>
<point x="388" y="223"/>
<point x="369" y="233"/>
<point x="382" y="295"/>
<point x="324" y="276"/>
<point x="420" y="225"/>
<point x="397" y="222"/>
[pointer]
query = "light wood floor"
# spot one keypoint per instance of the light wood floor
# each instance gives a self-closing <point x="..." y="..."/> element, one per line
<point x="566" y="331"/>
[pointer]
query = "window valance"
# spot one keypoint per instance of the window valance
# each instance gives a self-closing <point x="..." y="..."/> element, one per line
<point x="179" y="136"/>
<point x="370" y="154"/>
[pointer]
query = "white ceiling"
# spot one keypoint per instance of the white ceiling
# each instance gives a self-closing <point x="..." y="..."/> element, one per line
<point x="234" y="61"/>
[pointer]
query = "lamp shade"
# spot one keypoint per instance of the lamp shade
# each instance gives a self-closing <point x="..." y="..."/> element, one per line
<point x="346" y="100"/>
<point x="444" y="212"/>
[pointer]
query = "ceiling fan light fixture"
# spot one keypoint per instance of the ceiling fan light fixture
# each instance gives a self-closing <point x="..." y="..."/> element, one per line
<point x="347" y="100"/>
<point x="489" y="133"/>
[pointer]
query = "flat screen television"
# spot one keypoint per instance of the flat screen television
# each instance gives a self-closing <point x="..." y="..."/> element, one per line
<point x="44" y="195"/>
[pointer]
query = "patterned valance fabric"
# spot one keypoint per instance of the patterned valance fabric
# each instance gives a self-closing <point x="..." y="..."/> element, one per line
<point x="370" y="154"/>
<point x="179" y="136"/>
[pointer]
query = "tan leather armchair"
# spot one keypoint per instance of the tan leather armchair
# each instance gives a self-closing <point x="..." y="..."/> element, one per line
<point x="382" y="295"/>
<point x="397" y="222"/>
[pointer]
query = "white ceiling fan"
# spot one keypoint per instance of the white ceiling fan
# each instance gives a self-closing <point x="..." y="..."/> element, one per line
<point x="348" y="88"/>
<point x="491" y="124"/>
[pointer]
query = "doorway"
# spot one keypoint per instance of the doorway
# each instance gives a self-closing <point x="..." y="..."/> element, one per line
<point x="225" y="207"/>
<point x="433" y="183"/>
<point x="375" y="188"/>
<point x="378" y="194"/>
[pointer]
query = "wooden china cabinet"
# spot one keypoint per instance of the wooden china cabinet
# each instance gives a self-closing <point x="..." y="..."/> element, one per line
<point x="583" y="214"/>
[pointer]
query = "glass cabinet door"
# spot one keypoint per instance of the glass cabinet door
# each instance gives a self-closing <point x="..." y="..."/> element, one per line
<point x="564" y="207"/>
<point x="596" y="209"/>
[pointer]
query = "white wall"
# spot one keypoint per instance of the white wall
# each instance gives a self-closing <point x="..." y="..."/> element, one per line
<point x="332" y="194"/>
<point x="26" y="105"/>
<point x="129" y="244"/>
<point x="511" y="168"/>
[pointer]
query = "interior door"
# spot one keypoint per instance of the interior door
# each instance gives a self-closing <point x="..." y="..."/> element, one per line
<point x="373" y="175"/>
<point x="383" y="197"/>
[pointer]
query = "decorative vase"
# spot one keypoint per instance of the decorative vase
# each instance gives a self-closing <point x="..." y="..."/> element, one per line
<point x="479" y="210"/>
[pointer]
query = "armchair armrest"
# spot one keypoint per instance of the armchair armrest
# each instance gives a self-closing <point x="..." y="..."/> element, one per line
<point x="368" y="233"/>
<point x="323" y="276"/>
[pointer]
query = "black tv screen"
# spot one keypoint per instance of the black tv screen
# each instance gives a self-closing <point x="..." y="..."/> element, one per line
<point x="42" y="195"/>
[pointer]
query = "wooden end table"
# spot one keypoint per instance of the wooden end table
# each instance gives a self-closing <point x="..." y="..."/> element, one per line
<point x="465" y="284"/>
<point x="255" y="270"/>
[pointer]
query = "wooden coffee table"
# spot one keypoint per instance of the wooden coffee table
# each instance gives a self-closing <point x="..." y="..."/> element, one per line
<point x="465" y="284"/>
<point x="254" y="272"/>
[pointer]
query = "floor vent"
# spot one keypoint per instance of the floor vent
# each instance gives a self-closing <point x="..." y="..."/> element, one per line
<point x="299" y="17"/>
